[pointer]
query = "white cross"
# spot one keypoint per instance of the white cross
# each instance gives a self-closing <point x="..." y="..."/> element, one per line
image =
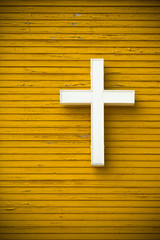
<point x="97" y="97"/>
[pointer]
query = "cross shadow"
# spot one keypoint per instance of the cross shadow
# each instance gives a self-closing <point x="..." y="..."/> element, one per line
<point x="114" y="128"/>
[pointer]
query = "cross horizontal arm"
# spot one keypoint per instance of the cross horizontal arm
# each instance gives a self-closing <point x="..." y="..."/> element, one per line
<point x="76" y="97"/>
<point x="119" y="97"/>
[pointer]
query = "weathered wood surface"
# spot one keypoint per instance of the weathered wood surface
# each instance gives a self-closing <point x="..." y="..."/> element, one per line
<point x="48" y="190"/>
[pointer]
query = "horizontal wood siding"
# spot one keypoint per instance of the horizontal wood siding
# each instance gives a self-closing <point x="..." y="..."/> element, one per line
<point x="48" y="189"/>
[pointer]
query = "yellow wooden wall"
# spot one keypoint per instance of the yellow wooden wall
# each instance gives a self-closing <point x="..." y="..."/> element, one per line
<point x="48" y="189"/>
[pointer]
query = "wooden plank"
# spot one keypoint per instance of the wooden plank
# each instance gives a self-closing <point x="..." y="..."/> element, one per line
<point x="77" y="210"/>
<point x="72" y="70"/>
<point x="77" y="77"/>
<point x="21" y="114"/>
<point x="72" y="57"/>
<point x="78" y="236"/>
<point x="80" y="223"/>
<point x="76" y="144"/>
<point x="81" y="37"/>
<point x="75" y="137"/>
<point x="66" y="116"/>
<point x="76" y="197"/>
<point x="79" y="30"/>
<point x="79" y="50"/>
<point x="77" y="23"/>
<point x="74" y="150"/>
<point x="79" y="177"/>
<point x="80" y="130"/>
<point x="85" y="183"/>
<point x="79" y="9"/>
<point x="109" y="64"/>
<point x="77" y="157"/>
<point x="87" y="171"/>
<point x="77" y="84"/>
<point x="77" y="16"/>
<point x="56" y="107"/>
<point x="82" y="3"/>
<point x="82" y="230"/>
<point x="77" y="164"/>
<point x="80" y="217"/>
<point x="80" y="190"/>
<point x="82" y="204"/>
<point x="81" y="123"/>
<point x="68" y="43"/>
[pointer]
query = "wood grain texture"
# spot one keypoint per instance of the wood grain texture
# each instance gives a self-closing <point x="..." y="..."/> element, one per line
<point x="48" y="189"/>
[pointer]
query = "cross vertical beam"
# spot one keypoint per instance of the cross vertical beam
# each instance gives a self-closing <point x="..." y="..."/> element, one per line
<point x="97" y="112"/>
